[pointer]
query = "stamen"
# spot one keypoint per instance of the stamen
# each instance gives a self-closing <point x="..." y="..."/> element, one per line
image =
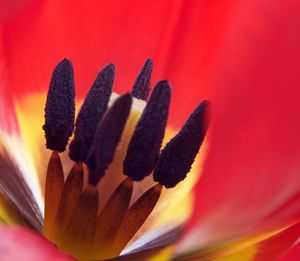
<point x="60" y="107"/>
<point x="107" y="138"/>
<point x="72" y="221"/>
<point x="91" y="113"/>
<point x="135" y="217"/>
<point x="178" y="156"/>
<point x="110" y="219"/>
<point x="141" y="86"/>
<point x="143" y="149"/>
<point x="53" y="191"/>
<point x="79" y="234"/>
<point x="69" y="199"/>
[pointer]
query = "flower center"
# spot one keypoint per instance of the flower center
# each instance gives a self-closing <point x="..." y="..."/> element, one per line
<point x="73" y="219"/>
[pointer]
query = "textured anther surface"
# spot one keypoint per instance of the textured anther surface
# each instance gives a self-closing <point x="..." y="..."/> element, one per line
<point x="178" y="156"/>
<point x="107" y="138"/>
<point x="141" y="86"/>
<point x="91" y="113"/>
<point x="144" y="146"/>
<point x="60" y="107"/>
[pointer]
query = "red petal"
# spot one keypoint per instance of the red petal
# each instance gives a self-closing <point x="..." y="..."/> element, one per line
<point x="17" y="243"/>
<point x="93" y="33"/>
<point x="292" y="254"/>
<point x="10" y="8"/>
<point x="7" y="114"/>
<point x="251" y="179"/>
<point x="275" y="246"/>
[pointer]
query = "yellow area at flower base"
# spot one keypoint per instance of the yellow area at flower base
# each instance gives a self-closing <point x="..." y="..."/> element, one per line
<point x="174" y="206"/>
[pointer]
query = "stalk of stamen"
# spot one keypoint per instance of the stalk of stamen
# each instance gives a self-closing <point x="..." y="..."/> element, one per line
<point x="135" y="217"/>
<point x="69" y="199"/>
<point x="141" y="86"/>
<point x="107" y="138"/>
<point x="91" y="112"/>
<point x="53" y="191"/>
<point x="144" y="147"/>
<point x="110" y="219"/>
<point x="79" y="234"/>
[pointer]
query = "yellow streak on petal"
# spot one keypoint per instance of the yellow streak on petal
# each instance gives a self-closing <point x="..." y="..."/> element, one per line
<point x="164" y="254"/>
<point x="245" y="254"/>
<point x="243" y="249"/>
<point x="248" y="249"/>
<point x="250" y="243"/>
<point x="9" y="214"/>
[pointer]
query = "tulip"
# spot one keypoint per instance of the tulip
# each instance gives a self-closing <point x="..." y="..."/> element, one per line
<point x="243" y="56"/>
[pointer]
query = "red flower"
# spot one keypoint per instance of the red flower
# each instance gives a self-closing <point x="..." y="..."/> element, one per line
<point x="242" y="55"/>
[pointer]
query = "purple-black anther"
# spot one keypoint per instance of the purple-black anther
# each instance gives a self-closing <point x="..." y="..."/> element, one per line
<point x="143" y="149"/>
<point x="60" y="107"/>
<point x="107" y="138"/>
<point x="91" y="112"/>
<point x="141" y="87"/>
<point x="179" y="154"/>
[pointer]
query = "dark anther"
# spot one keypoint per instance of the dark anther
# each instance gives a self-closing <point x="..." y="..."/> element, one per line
<point x="144" y="147"/>
<point x="91" y="113"/>
<point x="141" y="86"/>
<point x="178" y="156"/>
<point x="60" y="107"/>
<point x="107" y="137"/>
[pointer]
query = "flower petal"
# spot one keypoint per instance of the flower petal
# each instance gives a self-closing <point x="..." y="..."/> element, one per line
<point x="7" y="113"/>
<point x="263" y="247"/>
<point x="10" y="8"/>
<point x="17" y="243"/>
<point x="251" y="179"/>
<point x="275" y="246"/>
<point x="9" y="214"/>
<point x="15" y="189"/>
<point x="92" y="33"/>
<point x="292" y="254"/>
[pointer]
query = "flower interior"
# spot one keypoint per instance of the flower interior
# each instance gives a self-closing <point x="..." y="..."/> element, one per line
<point x="77" y="218"/>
